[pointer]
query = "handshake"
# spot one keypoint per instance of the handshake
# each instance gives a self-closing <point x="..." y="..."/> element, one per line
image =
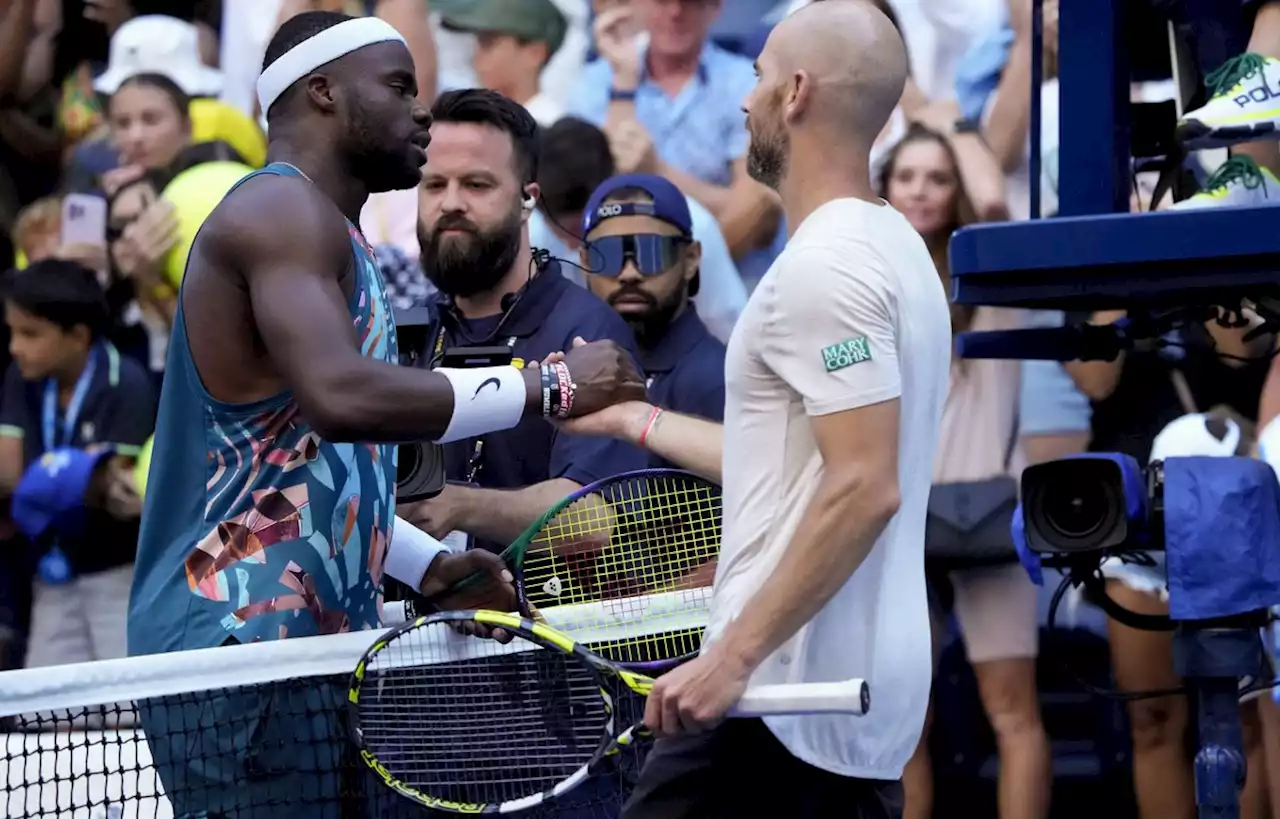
<point x="600" y="373"/>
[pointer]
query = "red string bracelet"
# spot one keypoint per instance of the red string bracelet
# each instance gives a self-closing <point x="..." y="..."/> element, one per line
<point x="653" y="418"/>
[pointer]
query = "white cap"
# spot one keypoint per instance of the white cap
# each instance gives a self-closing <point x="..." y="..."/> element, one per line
<point x="1196" y="435"/>
<point x="159" y="44"/>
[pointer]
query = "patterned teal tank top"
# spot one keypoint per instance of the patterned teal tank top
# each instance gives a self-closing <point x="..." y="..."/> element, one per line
<point x="254" y="527"/>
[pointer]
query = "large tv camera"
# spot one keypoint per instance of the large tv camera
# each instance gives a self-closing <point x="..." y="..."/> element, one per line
<point x="1216" y="519"/>
<point x="1080" y="506"/>
<point x="420" y="465"/>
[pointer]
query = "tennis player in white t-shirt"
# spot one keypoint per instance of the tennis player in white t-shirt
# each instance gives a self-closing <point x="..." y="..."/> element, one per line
<point x="835" y="380"/>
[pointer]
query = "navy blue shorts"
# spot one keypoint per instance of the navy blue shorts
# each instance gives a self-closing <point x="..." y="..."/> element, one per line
<point x="276" y="752"/>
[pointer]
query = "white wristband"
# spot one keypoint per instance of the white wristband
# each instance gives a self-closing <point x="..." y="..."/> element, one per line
<point x="485" y="399"/>
<point x="410" y="552"/>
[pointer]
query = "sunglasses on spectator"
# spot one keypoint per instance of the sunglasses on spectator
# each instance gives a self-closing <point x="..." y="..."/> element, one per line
<point x="651" y="253"/>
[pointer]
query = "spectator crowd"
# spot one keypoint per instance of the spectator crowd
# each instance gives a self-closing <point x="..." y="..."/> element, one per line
<point x="124" y="122"/>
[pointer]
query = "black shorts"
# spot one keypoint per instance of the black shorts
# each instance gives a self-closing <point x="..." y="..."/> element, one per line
<point x="741" y="770"/>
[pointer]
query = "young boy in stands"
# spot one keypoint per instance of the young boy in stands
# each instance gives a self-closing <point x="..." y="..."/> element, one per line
<point x="73" y="415"/>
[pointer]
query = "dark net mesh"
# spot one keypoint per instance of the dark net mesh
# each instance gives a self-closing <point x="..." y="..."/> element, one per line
<point x="273" y="749"/>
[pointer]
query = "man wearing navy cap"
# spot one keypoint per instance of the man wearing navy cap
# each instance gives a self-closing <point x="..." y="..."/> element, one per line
<point x="474" y="203"/>
<point x="644" y="261"/>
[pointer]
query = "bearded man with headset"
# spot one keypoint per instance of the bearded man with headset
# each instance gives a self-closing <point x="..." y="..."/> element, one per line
<point x="500" y="301"/>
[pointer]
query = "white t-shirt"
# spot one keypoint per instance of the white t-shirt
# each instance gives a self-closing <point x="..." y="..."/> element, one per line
<point x="852" y="313"/>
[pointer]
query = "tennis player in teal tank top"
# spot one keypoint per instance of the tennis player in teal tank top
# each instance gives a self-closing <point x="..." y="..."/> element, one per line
<point x="270" y="511"/>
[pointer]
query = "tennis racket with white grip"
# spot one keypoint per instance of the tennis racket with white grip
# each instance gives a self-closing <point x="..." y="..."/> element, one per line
<point x="470" y="726"/>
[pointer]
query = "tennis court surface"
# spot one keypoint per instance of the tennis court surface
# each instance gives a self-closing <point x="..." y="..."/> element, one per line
<point x="242" y="732"/>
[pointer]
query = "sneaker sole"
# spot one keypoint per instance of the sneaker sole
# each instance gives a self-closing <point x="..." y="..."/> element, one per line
<point x="1196" y="136"/>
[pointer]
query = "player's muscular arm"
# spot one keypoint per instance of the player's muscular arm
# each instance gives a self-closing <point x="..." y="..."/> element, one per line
<point x="696" y="444"/>
<point x="291" y="248"/>
<point x="856" y="498"/>
<point x="692" y="443"/>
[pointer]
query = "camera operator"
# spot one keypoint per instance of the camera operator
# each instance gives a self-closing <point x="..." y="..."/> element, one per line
<point x="1147" y="405"/>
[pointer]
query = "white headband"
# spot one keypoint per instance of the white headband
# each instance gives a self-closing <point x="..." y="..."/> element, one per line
<point x="325" y="47"/>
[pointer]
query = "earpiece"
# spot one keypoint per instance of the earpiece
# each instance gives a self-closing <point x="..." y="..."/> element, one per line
<point x="529" y="204"/>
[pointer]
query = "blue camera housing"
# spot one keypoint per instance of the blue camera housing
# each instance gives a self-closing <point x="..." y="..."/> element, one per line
<point x="1220" y="535"/>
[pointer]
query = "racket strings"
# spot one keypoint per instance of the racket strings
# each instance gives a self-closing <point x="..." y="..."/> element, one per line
<point x="638" y="537"/>
<point x="505" y="723"/>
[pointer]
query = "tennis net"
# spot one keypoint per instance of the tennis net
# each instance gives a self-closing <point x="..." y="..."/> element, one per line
<point x="255" y="731"/>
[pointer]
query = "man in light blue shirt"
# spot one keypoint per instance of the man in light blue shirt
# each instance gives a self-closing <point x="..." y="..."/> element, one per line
<point x="575" y="161"/>
<point x="674" y="108"/>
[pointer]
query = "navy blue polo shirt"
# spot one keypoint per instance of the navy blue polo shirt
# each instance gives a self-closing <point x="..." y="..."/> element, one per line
<point x="548" y="314"/>
<point x="686" y="372"/>
<point x="119" y="409"/>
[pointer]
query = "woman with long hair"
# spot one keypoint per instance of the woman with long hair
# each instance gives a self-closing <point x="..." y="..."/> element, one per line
<point x="927" y="177"/>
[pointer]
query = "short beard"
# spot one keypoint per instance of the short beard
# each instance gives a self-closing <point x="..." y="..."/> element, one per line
<point x="465" y="266"/>
<point x="649" y="329"/>
<point x="767" y="159"/>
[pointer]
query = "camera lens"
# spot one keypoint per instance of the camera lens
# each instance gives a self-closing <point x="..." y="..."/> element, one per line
<point x="1078" y="512"/>
<point x="1076" y="505"/>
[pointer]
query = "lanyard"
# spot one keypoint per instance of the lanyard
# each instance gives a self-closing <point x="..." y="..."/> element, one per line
<point x="476" y="461"/>
<point x="48" y="418"/>
<point x="437" y="355"/>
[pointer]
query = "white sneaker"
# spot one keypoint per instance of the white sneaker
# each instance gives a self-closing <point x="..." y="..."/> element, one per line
<point x="1238" y="182"/>
<point x="1245" y="105"/>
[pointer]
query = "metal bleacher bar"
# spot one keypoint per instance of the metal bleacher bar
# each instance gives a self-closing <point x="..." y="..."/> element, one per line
<point x="1095" y="245"/>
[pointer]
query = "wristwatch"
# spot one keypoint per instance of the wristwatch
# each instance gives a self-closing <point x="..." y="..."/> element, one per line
<point x="616" y="95"/>
<point x="967" y="125"/>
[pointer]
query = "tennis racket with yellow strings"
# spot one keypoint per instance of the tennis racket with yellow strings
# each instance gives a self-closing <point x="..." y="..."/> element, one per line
<point x="636" y="548"/>
<point x="469" y="725"/>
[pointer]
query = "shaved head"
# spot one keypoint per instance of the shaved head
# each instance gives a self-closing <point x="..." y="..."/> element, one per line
<point x="835" y="67"/>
